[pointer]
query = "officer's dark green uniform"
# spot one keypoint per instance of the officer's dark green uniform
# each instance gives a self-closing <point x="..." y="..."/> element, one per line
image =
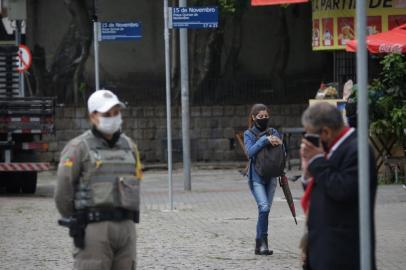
<point x="99" y="179"/>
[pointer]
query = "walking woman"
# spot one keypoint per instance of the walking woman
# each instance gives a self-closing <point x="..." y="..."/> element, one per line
<point x="263" y="190"/>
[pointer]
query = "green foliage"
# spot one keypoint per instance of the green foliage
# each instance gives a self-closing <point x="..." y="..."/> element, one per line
<point x="393" y="75"/>
<point x="83" y="87"/>
<point x="233" y="6"/>
<point x="398" y="116"/>
<point x="387" y="98"/>
<point x="387" y="104"/>
<point x="227" y="6"/>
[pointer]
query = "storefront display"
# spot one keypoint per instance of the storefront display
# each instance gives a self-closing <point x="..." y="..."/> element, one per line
<point x="334" y="21"/>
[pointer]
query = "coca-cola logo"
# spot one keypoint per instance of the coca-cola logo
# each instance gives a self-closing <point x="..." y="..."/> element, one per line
<point x="391" y="48"/>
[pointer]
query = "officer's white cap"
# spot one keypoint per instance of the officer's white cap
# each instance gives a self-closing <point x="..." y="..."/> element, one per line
<point x="102" y="101"/>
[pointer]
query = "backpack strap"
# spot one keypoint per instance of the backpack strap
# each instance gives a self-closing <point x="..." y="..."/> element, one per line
<point x="252" y="130"/>
<point x="269" y="131"/>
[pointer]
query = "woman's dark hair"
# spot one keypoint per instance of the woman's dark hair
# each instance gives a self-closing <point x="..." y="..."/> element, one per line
<point x="254" y="112"/>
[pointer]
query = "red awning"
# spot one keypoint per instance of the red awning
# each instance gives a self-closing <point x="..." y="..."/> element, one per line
<point x="393" y="41"/>
<point x="275" y="2"/>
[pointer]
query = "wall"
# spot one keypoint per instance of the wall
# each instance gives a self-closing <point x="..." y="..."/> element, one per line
<point x="122" y="63"/>
<point x="275" y="41"/>
<point x="212" y="130"/>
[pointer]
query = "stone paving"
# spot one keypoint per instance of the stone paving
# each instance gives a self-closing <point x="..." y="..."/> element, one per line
<point x="212" y="227"/>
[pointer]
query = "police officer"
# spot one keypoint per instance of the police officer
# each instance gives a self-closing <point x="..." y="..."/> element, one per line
<point x="97" y="191"/>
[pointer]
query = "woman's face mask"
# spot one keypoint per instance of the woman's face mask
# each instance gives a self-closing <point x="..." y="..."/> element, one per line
<point x="261" y="120"/>
<point x="262" y="124"/>
<point x="109" y="125"/>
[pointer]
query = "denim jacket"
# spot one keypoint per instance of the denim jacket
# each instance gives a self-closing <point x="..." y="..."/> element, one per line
<point x="252" y="147"/>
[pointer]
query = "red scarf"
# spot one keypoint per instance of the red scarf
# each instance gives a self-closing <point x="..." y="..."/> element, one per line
<point x="306" y="196"/>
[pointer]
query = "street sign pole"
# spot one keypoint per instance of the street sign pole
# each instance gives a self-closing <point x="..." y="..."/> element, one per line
<point x="96" y="54"/>
<point x="112" y="31"/>
<point x="184" y="74"/>
<point x="363" y="148"/>
<point x="168" y="102"/>
<point x="20" y="74"/>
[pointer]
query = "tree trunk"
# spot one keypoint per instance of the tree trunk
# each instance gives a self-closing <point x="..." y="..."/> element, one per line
<point x="215" y="59"/>
<point x="65" y="75"/>
<point x="231" y="51"/>
<point x="278" y="72"/>
<point x="206" y="58"/>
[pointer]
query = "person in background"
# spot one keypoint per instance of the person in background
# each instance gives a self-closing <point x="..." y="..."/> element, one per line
<point x="263" y="190"/>
<point x="351" y="112"/>
<point x="331" y="196"/>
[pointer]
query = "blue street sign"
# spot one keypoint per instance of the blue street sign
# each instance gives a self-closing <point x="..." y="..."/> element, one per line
<point x="119" y="31"/>
<point x="194" y="17"/>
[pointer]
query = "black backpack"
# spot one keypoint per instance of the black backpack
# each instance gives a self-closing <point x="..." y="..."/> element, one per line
<point x="270" y="160"/>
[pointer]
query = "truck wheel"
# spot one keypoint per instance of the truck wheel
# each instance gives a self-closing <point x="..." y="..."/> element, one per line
<point x="3" y="178"/>
<point x="29" y="182"/>
<point x="13" y="182"/>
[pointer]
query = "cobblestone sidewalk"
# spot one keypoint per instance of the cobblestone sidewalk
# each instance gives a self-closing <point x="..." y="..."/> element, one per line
<point x="212" y="227"/>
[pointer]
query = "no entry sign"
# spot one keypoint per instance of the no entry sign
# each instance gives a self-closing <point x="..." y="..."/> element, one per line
<point x="24" y="58"/>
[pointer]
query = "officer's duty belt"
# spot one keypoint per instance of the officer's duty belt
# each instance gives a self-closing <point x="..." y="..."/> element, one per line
<point x="116" y="214"/>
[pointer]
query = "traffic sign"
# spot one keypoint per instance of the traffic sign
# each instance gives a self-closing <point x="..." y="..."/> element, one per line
<point x="24" y="58"/>
<point x="110" y="31"/>
<point x="194" y="17"/>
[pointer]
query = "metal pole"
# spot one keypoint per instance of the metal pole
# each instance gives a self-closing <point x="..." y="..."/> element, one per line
<point x="21" y="74"/>
<point x="96" y="53"/>
<point x="168" y="102"/>
<point x="184" y="74"/>
<point x="363" y="148"/>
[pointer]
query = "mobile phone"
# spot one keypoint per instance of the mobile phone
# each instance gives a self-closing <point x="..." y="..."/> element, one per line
<point x="313" y="138"/>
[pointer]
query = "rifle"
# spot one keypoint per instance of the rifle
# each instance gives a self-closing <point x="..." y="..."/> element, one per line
<point x="76" y="224"/>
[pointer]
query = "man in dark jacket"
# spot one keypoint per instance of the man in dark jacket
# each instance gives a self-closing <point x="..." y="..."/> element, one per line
<point x="331" y="196"/>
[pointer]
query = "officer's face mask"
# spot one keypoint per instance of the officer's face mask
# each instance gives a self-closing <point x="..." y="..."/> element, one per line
<point x="110" y="125"/>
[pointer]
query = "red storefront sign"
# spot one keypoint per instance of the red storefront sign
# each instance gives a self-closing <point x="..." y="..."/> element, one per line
<point x="275" y="2"/>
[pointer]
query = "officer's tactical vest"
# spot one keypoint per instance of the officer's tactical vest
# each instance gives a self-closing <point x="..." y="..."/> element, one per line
<point x="110" y="180"/>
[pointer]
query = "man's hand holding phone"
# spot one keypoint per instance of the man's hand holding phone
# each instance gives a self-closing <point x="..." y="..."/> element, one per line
<point x="311" y="146"/>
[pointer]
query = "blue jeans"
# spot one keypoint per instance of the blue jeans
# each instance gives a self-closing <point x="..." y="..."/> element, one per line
<point x="263" y="194"/>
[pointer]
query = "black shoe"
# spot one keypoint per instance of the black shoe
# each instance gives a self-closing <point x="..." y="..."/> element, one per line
<point x="263" y="248"/>
<point x="257" y="245"/>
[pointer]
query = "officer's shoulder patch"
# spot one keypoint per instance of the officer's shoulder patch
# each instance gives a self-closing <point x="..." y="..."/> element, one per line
<point x="71" y="152"/>
<point x="68" y="162"/>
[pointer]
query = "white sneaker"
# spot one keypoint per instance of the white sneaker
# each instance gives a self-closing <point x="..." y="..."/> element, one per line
<point x="404" y="186"/>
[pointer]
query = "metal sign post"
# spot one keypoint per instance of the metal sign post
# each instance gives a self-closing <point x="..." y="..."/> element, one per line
<point x="184" y="17"/>
<point x="168" y="103"/>
<point x="184" y="74"/>
<point x="21" y="74"/>
<point x="363" y="148"/>
<point x="96" y="31"/>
